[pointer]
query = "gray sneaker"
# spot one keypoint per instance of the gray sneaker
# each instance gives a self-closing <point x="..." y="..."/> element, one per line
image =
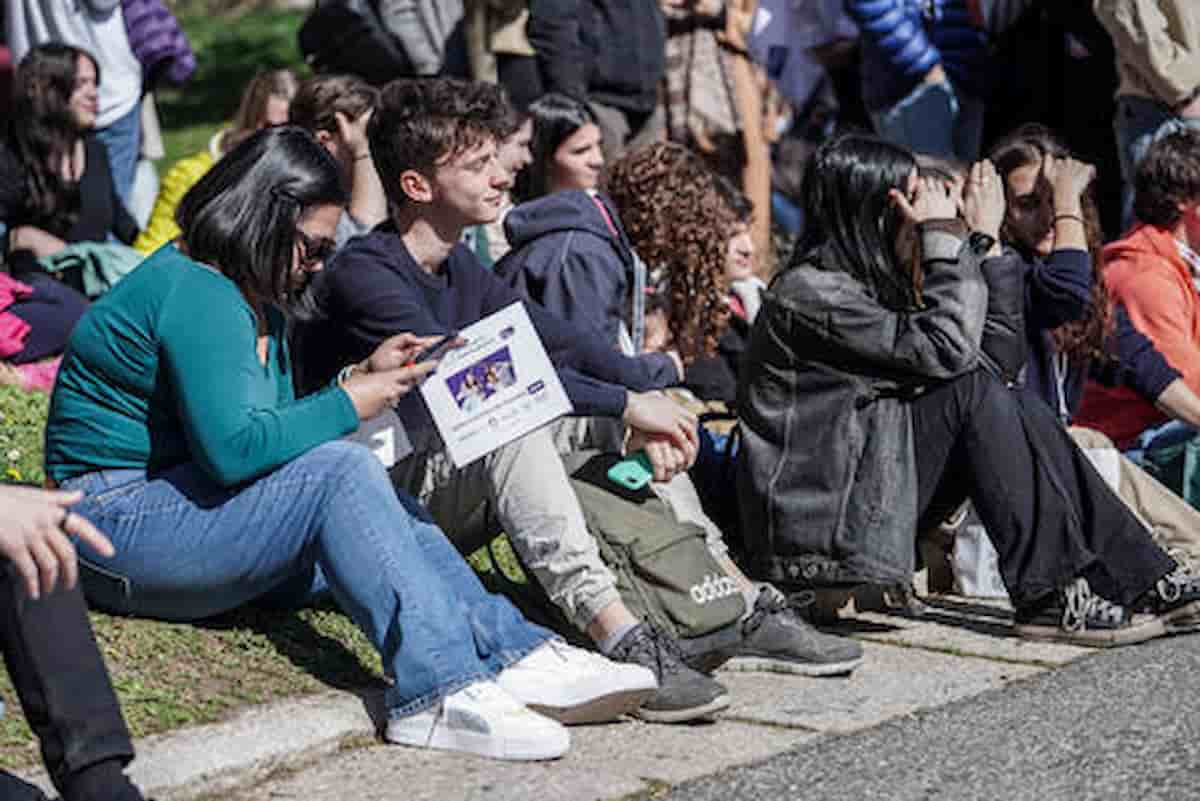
<point x="776" y="639"/>
<point x="683" y="694"/>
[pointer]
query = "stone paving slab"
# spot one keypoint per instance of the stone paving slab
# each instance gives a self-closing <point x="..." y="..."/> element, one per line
<point x="605" y="762"/>
<point x="892" y="681"/>
<point x="960" y="625"/>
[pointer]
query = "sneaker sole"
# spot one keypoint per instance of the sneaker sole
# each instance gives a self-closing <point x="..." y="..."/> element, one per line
<point x="481" y="745"/>
<point x="766" y="664"/>
<point x="683" y="715"/>
<point x="1095" y="638"/>
<point x="598" y="710"/>
<point x="1184" y="620"/>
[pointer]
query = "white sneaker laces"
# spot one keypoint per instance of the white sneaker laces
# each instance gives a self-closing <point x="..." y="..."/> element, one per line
<point x="1081" y="605"/>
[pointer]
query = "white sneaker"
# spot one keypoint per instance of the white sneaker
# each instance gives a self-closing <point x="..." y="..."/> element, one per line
<point x="482" y="719"/>
<point x="572" y="685"/>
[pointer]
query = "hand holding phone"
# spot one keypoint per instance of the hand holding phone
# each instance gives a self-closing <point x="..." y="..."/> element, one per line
<point x="439" y="349"/>
<point x="633" y="472"/>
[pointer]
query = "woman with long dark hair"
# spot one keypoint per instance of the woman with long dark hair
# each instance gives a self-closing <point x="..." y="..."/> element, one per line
<point x="218" y="487"/>
<point x="865" y="414"/>
<point x="1073" y="330"/>
<point x="55" y="188"/>
<point x="566" y="148"/>
<point x="56" y="185"/>
<point x="570" y="251"/>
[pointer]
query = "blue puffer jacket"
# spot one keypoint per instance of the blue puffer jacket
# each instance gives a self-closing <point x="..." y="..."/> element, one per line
<point x="904" y="39"/>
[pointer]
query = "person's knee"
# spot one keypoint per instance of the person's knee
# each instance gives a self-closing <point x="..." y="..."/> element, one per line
<point x="343" y="461"/>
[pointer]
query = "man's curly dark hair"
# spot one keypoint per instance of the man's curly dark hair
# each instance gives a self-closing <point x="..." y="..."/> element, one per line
<point x="679" y="221"/>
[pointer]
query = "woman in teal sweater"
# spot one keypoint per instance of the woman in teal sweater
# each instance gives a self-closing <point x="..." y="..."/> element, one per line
<point x="174" y="412"/>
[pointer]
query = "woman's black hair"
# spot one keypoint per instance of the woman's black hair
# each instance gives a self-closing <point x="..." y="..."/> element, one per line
<point x="43" y="131"/>
<point x="241" y="216"/>
<point x="847" y="208"/>
<point x="555" y="117"/>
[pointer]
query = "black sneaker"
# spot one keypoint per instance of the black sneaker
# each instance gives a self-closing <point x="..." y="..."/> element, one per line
<point x="1080" y="617"/>
<point x="1175" y="599"/>
<point x="777" y="639"/>
<point x="683" y="693"/>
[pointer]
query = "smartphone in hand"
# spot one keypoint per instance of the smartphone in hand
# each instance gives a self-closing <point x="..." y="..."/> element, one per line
<point x="438" y="349"/>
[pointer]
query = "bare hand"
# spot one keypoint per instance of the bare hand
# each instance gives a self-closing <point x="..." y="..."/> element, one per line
<point x="34" y="536"/>
<point x="397" y="351"/>
<point x="932" y="200"/>
<point x="666" y="459"/>
<point x="373" y="392"/>
<point x="353" y="133"/>
<point x="654" y="415"/>
<point x="1192" y="110"/>
<point x="1069" y="178"/>
<point x="983" y="199"/>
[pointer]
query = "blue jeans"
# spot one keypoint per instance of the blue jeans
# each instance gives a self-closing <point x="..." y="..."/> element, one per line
<point x="1138" y="124"/>
<point x="123" y="142"/>
<point x="329" y="520"/>
<point x="934" y="119"/>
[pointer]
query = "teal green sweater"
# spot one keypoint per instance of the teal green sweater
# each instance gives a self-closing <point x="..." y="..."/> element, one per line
<point x="163" y="370"/>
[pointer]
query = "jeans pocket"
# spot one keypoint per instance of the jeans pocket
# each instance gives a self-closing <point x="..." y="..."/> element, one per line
<point x="105" y="589"/>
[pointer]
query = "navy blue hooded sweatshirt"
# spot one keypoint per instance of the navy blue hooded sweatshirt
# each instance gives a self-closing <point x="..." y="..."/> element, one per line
<point x="566" y="257"/>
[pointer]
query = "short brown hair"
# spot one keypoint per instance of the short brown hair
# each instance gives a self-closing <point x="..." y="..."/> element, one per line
<point x="319" y="99"/>
<point x="1168" y="176"/>
<point x="421" y="123"/>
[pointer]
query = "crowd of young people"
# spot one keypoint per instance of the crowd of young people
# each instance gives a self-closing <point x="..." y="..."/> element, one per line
<point x="927" y="344"/>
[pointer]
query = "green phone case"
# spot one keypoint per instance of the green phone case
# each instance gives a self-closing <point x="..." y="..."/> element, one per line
<point x="633" y="472"/>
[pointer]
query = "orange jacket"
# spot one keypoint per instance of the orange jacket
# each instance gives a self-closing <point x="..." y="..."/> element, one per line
<point x="1147" y="274"/>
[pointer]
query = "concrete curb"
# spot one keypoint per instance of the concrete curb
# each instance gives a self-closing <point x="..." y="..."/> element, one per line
<point x="212" y="759"/>
<point x="293" y="749"/>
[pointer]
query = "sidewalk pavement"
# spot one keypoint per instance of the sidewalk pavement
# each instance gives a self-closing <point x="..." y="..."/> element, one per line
<point x="325" y="747"/>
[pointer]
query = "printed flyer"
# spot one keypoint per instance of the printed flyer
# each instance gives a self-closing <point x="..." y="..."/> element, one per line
<point x="498" y="386"/>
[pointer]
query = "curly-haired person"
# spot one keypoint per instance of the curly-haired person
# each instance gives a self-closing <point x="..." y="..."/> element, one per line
<point x="573" y="255"/>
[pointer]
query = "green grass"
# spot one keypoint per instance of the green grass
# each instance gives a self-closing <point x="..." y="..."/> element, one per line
<point x="169" y="675"/>
<point x="228" y="54"/>
<point x="22" y="419"/>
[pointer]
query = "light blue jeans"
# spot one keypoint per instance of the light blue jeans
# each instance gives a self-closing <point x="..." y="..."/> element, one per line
<point x="188" y="549"/>
<point x="123" y="142"/>
<point x="934" y="119"/>
<point x="1138" y="124"/>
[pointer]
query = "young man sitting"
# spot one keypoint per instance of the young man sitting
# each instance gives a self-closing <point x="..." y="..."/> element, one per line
<point x="434" y="144"/>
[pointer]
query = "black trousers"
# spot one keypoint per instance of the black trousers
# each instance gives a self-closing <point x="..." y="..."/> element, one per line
<point x="1046" y="509"/>
<point x="60" y="677"/>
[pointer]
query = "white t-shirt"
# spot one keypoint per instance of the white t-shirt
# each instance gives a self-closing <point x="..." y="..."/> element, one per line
<point x="92" y="25"/>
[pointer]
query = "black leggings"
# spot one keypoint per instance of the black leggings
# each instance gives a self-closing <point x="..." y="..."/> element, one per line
<point x="1046" y="509"/>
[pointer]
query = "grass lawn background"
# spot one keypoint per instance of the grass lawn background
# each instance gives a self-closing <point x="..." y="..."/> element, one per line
<point x="172" y="675"/>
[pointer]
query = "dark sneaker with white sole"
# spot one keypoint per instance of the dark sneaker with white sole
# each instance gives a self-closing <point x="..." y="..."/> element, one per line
<point x="1080" y="617"/>
<point x="1175" y="600"/>
<point x="775" y="638"/>
<point x="683" y="694"/>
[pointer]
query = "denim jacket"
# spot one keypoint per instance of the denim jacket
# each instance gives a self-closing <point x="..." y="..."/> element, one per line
<point x="827" y="481"/>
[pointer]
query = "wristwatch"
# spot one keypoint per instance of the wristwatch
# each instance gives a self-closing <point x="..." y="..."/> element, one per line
<point x="981" y="242"/>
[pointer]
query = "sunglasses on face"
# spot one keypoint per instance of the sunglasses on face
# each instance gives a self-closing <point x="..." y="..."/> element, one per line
<point x="314" y="249"/>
